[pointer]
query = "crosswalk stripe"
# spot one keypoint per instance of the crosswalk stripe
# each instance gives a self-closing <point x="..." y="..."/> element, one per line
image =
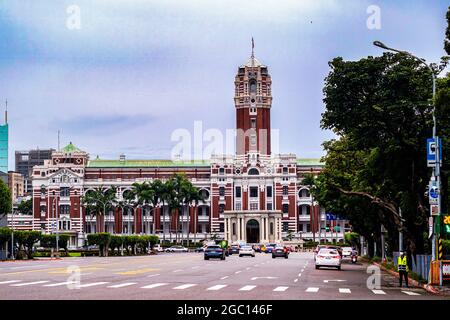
<point x="280" y="289"/>
<point x="91" y="284"/>
<point x="247" y="288"/>
<point x="378" y="292"/>
<point x="121" y="285"/>
<point x="223" y="278"/>
<point x="59" y="284"/>
<point x="184" y="286"/>
<point x="344" y="290"/>
<point x="217" y="287"/>
<point x="411" y="293"/>
<point x="28" y="283"/>
<point x="312" y="289"/>
<point x="154" y="285"/>
<point x="9" y="281"/>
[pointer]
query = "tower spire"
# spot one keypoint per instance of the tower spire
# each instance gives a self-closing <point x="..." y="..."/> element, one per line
<point x="253" y="53"/>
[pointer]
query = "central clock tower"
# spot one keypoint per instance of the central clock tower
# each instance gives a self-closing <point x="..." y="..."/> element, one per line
<point x="253" y="100"/>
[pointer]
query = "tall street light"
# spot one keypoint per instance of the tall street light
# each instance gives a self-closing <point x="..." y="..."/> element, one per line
<point x="436" y="170"/>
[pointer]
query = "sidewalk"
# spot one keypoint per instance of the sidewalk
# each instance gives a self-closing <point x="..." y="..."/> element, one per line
<point x="444" y="290"/>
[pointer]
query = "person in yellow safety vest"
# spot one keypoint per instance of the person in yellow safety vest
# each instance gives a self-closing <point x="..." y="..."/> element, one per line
<point x="403" y="268"/>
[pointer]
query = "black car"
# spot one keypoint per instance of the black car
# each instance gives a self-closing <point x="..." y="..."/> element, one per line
<point x="280" y="252"/>
<point x="214" y="251"/>
<point x="234" y="249"/>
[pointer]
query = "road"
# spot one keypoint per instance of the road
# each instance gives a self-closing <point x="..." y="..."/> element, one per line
<point x="186" y="276"/>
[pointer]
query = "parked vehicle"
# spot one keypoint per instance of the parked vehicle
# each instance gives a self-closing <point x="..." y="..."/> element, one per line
<point x="200" y="249"/>
<point x="347" y="252"/>
<point x="269" y="247"/>
<point x="214" y="251"/>
<point x="158" y="248"/>
<point x="257" y="248"/>
<point x="246" y="251"/>
<point x="280" y="251"/>
<point x="177" y="249"/>
<point x="328" y="258"/>
<point x="234" y="249"/>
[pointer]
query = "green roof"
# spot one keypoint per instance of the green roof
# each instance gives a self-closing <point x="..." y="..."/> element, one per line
<point x="310" y="162"/>
<point x="70" y="148"/>
<point x="98" y="163"/>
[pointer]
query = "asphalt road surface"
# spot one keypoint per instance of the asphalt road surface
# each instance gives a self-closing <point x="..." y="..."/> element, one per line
<point x="185" y="276"/>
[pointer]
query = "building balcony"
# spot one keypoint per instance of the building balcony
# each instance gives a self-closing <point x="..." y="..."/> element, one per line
<point x="304" y="217"/>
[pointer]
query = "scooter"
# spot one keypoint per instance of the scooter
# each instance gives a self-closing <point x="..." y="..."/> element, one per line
<point x="354" y="258"/>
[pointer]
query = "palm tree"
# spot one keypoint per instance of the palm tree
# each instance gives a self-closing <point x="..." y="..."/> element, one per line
<point x="154" y="197"/>
<point x="168" y="198"/>
<point x="196" y="198"/>
<point x="99" y="201"/>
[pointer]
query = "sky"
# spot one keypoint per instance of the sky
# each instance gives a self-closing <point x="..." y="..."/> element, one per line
<point x="122" y="76"/>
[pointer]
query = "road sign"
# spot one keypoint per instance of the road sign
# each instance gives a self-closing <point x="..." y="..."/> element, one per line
<point x="434" y="210"/>
<point x="330" y="216"/>
<point x="430" y="227"/>
<point x="431" y="152"/>
<point x="446" y="220"/>
<point x="434" y="192"/>
<point x="440" y="249"/>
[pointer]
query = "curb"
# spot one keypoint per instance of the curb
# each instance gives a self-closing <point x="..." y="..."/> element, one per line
<point x="427" y="287"/>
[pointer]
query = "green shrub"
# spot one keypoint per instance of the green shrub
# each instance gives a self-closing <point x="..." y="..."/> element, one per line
<point x="5" y="236"/>
<point x="100" y="239"/>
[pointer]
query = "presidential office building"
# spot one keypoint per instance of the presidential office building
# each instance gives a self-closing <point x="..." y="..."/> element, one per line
<point x="252" y="196"/>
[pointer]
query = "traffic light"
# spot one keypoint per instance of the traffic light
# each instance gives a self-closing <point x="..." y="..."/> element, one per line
<point x="327" y="229"/>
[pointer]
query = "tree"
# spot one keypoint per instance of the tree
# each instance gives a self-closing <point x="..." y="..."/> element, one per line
<point x="5" y="199"/>
<point x="98" y="202"/>
<point x="447" y="34"/>
<point x="380" y="108"/>
<point x="26" y="207"/>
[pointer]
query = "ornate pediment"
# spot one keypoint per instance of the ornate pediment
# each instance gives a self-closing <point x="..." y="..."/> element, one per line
<point x="65" y="177"/>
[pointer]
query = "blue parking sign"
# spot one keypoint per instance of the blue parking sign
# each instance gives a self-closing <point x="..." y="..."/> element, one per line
<point x="431" y="151"/>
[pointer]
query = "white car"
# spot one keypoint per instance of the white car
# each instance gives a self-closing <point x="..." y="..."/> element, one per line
<point x="177" y="249"/>
<point x="347" y="252"/>
<point x="328" y="258"/>
<point x="158" y="248"/>
<point x="246" y="251"/>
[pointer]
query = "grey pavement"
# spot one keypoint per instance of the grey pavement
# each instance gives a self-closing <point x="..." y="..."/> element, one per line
<point x="186" y="276"/>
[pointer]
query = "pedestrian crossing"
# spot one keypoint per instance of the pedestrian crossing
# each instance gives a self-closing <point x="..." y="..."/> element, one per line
<point x="187" y="286"/>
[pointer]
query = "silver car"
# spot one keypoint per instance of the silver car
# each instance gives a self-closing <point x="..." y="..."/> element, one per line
<point x="246" y="251"/>
<point x="177" y="249"/>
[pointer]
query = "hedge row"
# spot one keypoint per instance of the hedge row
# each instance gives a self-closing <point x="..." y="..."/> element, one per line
<point x="132" y="244"/>
<point x="24" y="241"/>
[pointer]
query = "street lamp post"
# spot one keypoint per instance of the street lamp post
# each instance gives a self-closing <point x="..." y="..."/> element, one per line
<point x="12" y="233"/>
<point x="436" y="170"/>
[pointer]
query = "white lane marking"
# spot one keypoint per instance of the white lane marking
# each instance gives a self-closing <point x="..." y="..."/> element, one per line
<point x="217" y="287"/>
<point x="87" y="285"/>
<point x="280" y="289"/>
<point x="238" y="272"/>
<point x="248" y="268"/>
<point x="411" y="293"/>
<point x="29" y="283"/>
<point x="378" y="292"/>
<point x="302" y="270"/>
<point x="326" y="281"/>
<point x="59" y="284"/>
<point x="184" y="286"/>
<point x="344" y="290"/>
<point x="295" y="280"/>
<point x="224" y="277"/>
<point x="10" y="281"/>
<point x="299" y="274"/>
<point x="247" y="288"/>
<point x="312" y="289"/>
<point x="179" y="270"/>
<point x="155" y="285"/>
<point x="254" y="278"/>
<point x="126" y="284"/>
<point x="153" y="275"/>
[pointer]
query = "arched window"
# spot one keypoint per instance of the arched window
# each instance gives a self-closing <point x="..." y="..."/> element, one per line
<point x="304" y="193"/>
<point x="252" y="85"/>
<point x="253" y="172"/>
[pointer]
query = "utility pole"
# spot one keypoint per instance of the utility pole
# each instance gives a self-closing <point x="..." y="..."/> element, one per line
<point x="400" y="233"/>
